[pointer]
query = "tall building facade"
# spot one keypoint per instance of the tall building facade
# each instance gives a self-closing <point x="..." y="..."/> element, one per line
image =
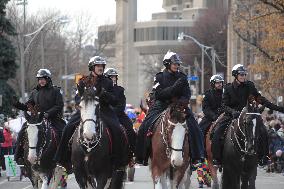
<point x="136" y="45"/>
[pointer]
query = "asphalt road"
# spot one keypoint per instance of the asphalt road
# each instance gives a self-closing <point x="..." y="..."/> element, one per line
<point x="143" y="181"/>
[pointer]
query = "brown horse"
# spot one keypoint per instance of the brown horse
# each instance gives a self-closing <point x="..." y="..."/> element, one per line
<point x="212" y="169"/>
<point x="170" y="148"/>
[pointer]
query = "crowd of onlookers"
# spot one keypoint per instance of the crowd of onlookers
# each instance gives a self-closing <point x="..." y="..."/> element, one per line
<point x="275" y="126"/>
<point x="7" y="141"/>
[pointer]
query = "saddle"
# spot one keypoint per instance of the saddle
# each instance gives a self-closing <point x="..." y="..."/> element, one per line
<point x="152" y="127"/>
<point x="213" y="127"/>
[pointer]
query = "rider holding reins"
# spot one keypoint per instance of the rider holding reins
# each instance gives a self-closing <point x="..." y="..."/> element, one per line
<point x="49" y="100"/>
<point x="234" y="99"/>
<point x="170" y="84"/>
<point x="107" y="98"/>
<point x="211" y="104"/>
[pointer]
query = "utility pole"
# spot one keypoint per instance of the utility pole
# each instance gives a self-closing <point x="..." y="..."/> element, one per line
<point x="65" y="73"/>
<point x="202" y="71"/>
<point x="196" y="74"/>
<point x="213" y="54"/>
<point x="22" y="50"/>
<point x="42" y="49"/>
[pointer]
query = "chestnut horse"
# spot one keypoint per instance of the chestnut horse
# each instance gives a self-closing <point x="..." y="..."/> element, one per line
<point x="212" y="169"/>
<point x="170" y="148"/>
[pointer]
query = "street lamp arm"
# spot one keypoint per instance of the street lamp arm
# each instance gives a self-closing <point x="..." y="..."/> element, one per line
<point x="40" y="28"/>
<point x="28" y="46"/>
<point x="194" y="40"/>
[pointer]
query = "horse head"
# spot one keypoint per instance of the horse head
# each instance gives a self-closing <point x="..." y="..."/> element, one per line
<point x="34" y="130"/>
<point x="248" y="123"/>
<point x="89" y="107"/>
<point x="177" y="130"/>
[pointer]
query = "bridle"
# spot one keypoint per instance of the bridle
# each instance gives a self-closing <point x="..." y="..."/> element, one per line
<point x="39" y="148"/>
<point x="89" y="145"/>
<point x="234" y="137"/>
<point x="165" y="134"/>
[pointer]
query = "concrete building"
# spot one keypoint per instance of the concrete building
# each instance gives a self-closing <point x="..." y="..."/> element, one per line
<point x="133" y="41"/>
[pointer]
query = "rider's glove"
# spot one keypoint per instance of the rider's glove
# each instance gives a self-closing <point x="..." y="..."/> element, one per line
<point x="235" y="114"/>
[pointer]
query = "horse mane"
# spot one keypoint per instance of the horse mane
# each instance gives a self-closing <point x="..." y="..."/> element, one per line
<point x="34" y="109"/>
<point x="89" y="80"/>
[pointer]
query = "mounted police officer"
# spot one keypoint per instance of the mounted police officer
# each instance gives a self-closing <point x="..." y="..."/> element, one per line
<point x="211" y="105"/>
<point x="234" y="99"/>
<point x="50" y="102"/>
<point x="120" y="107"/>
<point x="107" y="99"/>
<point x="169" y="84"/>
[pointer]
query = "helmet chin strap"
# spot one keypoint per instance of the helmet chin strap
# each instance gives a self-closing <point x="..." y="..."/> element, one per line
<point x="239" y="80"/>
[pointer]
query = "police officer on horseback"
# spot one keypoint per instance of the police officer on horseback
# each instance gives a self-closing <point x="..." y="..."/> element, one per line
<point x="234" y="99"/>
<point x="49" y="100"/>
<point x="107" y="99"/>
<point x="211" y="105"/>
<point x="168" y="85"/>
<point x="120" y="107"/>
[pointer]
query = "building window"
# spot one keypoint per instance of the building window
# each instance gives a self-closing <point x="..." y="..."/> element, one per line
<point x="189" y="4"/>
<point x="174" y="8"/>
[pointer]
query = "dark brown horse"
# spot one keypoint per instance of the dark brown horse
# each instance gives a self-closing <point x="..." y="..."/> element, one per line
<point x="92" y="145"/>
<point x="239" y="162"/>
<point x="170" y="148"/>
<point x="208" y="143"/>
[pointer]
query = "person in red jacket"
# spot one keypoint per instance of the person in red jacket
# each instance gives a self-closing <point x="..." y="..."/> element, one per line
<point x="6" y="146"/>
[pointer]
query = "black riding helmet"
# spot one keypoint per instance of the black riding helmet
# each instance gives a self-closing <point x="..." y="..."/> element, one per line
<point x="44" y="73"/>
<point x="96" y="60"/>
<point x="216" y="78"/>
<point x="238" y="69"/>
<point x="171" y="57"/>
<point x="110" y="72"/>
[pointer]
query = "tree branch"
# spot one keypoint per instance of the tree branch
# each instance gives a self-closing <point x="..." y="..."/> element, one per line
<point x="258" y="47"/>
<point x="275" y="5"/>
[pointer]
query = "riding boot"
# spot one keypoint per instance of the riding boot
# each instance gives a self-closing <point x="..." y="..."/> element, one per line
<point x="140" y="145"/>
<point x="63" y="152"/>
<point x="131" y="135"/>
<point x="263" y="145"/>
<point x="195" y="139"/>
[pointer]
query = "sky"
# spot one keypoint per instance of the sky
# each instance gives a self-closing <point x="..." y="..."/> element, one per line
<point x="102" y="11"/>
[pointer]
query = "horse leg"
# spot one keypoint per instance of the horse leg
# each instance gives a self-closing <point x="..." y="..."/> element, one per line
<point x="102" y="181"/>
<point x="252" y="178"/>
<point x="186" y="179"/>
<point x="212" y="169"/>
<point x="214" y="176"/>
<point x="81" y="177"/>
<point x="160" y="182"/>
<point x="230" y="179"/>
<point x="44" y="179"/>
<point x="117" y="179"/>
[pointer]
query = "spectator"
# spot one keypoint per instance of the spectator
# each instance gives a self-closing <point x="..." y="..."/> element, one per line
<point x="6" y="146"/>
<point x="280" y="132"/>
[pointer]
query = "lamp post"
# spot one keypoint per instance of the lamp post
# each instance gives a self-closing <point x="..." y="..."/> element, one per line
<point x="181" y="37"/>
<point x="24" y="50"/>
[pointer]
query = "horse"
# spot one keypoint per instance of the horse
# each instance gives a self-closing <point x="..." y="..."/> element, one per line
<point x="170" y="148"/>
<point x="240" y="149"/>
<point x="39" y="144"/>
<point x="208" y="143"/>
<point x="92" y="146"/>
